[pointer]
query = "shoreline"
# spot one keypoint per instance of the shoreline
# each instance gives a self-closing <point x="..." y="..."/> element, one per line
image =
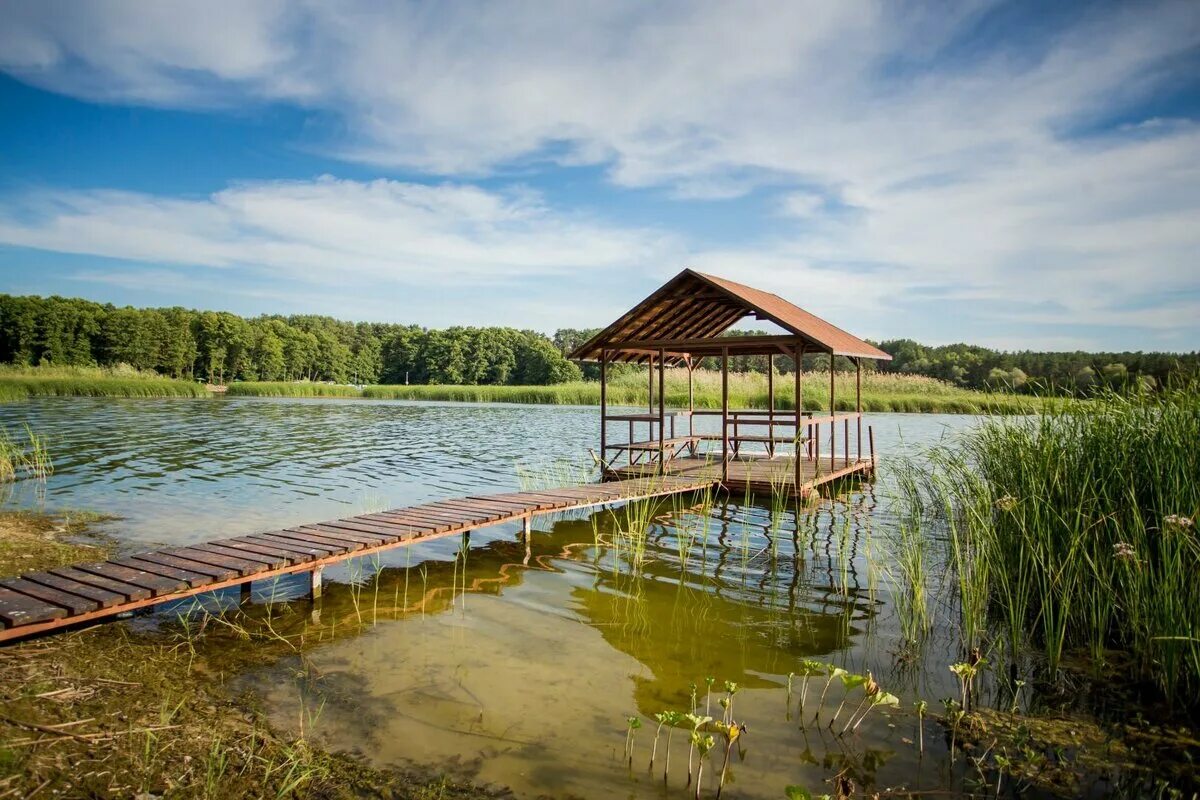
<point x="583" y="394"/>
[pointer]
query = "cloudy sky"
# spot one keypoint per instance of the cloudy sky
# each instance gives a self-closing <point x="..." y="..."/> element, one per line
<point x="1021" y="175"/>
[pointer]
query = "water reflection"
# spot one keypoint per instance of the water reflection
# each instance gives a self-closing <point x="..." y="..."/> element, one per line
<point x="516" y="668"/>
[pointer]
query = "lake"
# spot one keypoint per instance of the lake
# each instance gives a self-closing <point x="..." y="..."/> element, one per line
<point x="520" y="668"/>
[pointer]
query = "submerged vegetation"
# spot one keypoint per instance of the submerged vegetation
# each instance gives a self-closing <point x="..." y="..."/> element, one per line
<point x="1076" y="531"/>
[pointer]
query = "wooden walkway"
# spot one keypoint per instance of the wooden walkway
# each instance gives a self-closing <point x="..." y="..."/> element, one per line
<point x="42" y="601"/>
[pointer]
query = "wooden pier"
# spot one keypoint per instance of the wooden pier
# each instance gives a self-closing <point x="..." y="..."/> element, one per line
<point x="687" y="323"/>
<point x="44" y="601"/>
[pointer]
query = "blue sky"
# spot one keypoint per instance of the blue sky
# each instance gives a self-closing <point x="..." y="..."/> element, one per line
<point x="997" y="173"/>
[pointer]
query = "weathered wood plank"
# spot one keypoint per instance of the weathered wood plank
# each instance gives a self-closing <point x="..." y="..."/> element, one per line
<point x="157" y="584"/>
<point x="103" y="597"/>
<point x="193" y="579"/>
<point x="131" y="592"/>
<point x="190" y="565"/>
<point x="20" y="609"/>
<point x="73" y="603"/>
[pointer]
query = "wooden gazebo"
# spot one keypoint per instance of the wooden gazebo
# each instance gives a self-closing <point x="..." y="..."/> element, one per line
<point x="686" y="320"/>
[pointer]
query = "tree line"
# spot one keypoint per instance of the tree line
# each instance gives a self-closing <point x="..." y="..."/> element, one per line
<point x="974" y="367"/>
<point x="218" y="346"/>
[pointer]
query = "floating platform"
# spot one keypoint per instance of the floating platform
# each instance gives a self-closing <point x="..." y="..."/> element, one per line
<point x="38" y="602"/>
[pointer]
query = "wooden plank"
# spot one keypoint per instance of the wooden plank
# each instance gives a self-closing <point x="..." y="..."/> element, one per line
<point x="310" y="550"/>
<point x="409" y="527"/>
<point x="73" y="603"/>
<point x="18" y="609"/>
<point x="329" y="532"/>
<point x="477" y="511"/>
<point x="193" y="579"/>
<point x="103" y="597"/>
<point x="271" y="561"/>
<point x="289" y="556"/>
<point x="437" y="523"/>
<point x="493" y="512"/>
<point x="157" y="584"/>
<point x="506" y="508"/>
<point x="452" y="517"/>
<point x="131" y="592"/>
<point x="188" y="565"/>
<point x="420" y="522"/>
<point x="200" y="553"/>
<point x="545" y="503"/>
<point x="385" y="532"/>
<point x="343" y="545"/>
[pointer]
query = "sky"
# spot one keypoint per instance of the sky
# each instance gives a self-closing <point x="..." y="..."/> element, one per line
<point x="1019" y="175"/>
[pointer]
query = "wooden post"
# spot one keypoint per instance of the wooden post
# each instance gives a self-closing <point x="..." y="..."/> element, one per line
<point x="871" y="436"/>
<point x="314" y="585"/>
<point x="603" y="412"/>
<point x="832" y="426"/>
<point x="798" y="405"/>
<point x="527" y="535"/>
<point x="846" y="441"/>
<point x="771" y="405"/>
<point x="724" y="415"/>
<point x="246" y="593"/>
<point x="662" y="411"/>
<point x="858" y="404"/>
<point x="691" y="407"/>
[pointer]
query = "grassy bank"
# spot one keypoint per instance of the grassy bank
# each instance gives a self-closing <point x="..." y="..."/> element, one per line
<point x="23" y="383"/>
<point x="118" y="711"/>
<point x="1075" y="532"/>
<point x="880" y="393"/>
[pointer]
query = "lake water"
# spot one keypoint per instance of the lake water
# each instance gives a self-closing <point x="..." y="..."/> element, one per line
<point x="519" y="668"/>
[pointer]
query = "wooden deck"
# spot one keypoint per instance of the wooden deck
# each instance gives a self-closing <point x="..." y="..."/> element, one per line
<point x="42" y="601"/>
<point x="759" y="475"/>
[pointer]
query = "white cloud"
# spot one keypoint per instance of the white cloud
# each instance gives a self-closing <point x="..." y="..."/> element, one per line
<point x="919" y="149"/>
<point x="331" y="229"/>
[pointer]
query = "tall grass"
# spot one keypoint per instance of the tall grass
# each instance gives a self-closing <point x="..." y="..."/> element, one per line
<point x="20" y="383"/>
<point x="1082" y="522"/>
<point x="881" y="392"/>
<point x="24" y="456"/>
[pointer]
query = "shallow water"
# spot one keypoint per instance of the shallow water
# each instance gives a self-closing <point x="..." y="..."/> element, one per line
<point x="520" y="668"/>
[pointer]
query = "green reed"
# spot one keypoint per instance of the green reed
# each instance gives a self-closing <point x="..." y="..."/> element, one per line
<point x="1077" y="528"/>
<point x="20" y="383"/>
<point x="881" y="392"/>
<point x="27" y="456"/>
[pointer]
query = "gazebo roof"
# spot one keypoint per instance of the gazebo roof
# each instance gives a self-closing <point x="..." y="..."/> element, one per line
<point x="689" y="314"/>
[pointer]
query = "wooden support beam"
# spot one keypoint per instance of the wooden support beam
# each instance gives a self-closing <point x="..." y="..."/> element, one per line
<point x="832" y="412"/>
<point x="603" y="411"/>
<point x="858" y="403"/>
<point x="725" y="415"/>
<point x="314" y="583"/>
<point x="662" y="412"/>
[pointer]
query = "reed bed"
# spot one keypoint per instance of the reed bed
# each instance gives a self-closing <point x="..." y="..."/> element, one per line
<point x="1075" y="530"/>
<point x="913" y="393"/>
<point x="21" y="383"/>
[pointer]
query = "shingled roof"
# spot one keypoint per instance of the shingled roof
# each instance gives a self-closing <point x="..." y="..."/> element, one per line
<point x="689" y="313"/>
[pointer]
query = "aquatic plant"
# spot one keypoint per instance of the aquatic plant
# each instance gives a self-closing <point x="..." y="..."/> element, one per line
<point x="807" y="670"/>
<point x="631" y="726"/>
<point x="1061" y="527"/>
<point x="921" y="707"/>
<point x="878" y="699"/>
<point x="850" y="681"/>
<point x="965" y="672"/>
<point x="703" y="743"/>
<point x="697" y="722"/>
<point x="732" y="732"/>
<point x="674" y="719"/>
<point x="832" y="672"/>
<point x="30" y="457"/>
<point x="731" y="689"/>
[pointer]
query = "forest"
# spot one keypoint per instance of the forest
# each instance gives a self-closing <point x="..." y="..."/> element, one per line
<point x="219" y="347"/>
